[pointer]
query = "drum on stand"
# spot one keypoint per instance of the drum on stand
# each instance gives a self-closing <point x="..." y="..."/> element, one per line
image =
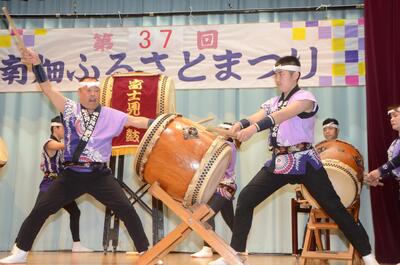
<point x="186" y="160"/>
<point x="3" y="153"/>
<point x="345" y="166"/>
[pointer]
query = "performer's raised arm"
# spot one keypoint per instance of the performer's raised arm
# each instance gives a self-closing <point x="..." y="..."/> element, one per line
<point x="31" y="57"/>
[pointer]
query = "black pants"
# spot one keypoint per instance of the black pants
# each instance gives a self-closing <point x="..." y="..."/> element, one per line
<point x="69" y="186"/>
<point x="223" y="205"/>
<point x="74" y="215"/>
<point x="317" y="183"/>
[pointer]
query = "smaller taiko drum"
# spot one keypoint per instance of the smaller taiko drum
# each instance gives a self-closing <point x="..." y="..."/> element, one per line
<point x="345" y="166"/>
<point x="186" y="160"/>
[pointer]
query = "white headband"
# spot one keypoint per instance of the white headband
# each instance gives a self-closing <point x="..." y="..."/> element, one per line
<point x="393" y="110"/>
<point x="56" y="124"/>
<point x="89" y="84"/>
<point x="331" y="124"/>
<point x="293" y="68"/>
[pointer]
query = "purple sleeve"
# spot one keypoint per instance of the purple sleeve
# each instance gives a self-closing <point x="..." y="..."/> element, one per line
<point x="70" y="108"/>
<point x="390" y="165"/>
<point x="306" y="95"/>
<point x="303" y="95"/>
<point x="119" y="119"/>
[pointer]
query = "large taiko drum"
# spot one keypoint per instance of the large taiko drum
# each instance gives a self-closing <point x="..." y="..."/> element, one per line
<point x="3" y="153"/>
<point x="185" y="159"/>
<point x="345" y="166"/>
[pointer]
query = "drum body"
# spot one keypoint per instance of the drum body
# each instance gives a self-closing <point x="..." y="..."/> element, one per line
<point x="3" y="153"/>
<point x="345" y="167"/>
<point x="185" y="159"/>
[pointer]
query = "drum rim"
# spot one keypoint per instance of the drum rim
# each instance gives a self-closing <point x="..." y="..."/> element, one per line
<point x="201" y="178"/>
<point x="149" y="140"/>
<point x="165" y="95"/>
<point x="344" y="142"/>
<point x="334" y="163"/>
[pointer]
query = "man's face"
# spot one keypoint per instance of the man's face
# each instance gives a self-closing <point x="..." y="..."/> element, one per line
<point x="395" y="120"/>
<point x="330" y="133"/>
<point x="285" y="80"/>
<point x="89" y="97"/>
<point x="59" y="131"/>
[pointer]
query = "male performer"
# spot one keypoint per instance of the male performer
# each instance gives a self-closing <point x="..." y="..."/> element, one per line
<point x="291" y="118"/>
<point x="392" y="167"/>
<point x="330" y="128"/>
<point x="89" y="129"/>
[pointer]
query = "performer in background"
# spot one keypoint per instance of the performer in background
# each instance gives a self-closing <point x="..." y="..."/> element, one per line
<point x="392" y="167"/>
<point x="291" y="119"/>
<point x="52" y="155"/>
<point x="222" y="200"/>
<point x="89" y="129"/>
<point x="330" y="128"/>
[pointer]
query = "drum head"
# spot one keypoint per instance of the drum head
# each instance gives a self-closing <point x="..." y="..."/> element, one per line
<point x="344" y="181"/>
<point x="3" y="153"/>
<point x="211" y="170"/>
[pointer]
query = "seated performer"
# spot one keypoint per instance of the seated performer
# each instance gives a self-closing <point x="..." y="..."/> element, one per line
<point x="291" y="118"/>
<point x="330" y="129"/>
<point x="89" y="129"/>
<point x="222" y="200"/>
<point x="51" y="164"/>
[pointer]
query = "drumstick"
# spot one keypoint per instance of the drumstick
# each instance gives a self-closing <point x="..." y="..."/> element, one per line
<point x="205" y="120"/>
<point x="13" y="28"/>
<point x="222" y="132"/>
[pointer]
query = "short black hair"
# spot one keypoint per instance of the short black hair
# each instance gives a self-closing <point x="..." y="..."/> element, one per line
<point x="56" y="119"/>
<point x="288" y="60"/>
<point x="330" y="120"/>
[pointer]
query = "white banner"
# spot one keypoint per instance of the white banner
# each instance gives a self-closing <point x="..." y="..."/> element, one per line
<point x="205" y="56"/>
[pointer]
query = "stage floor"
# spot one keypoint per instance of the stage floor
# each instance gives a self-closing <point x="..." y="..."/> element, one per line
<point x="97" y="258"/>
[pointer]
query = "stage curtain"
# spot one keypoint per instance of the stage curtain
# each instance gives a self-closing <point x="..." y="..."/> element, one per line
<point x="382" y="39"/>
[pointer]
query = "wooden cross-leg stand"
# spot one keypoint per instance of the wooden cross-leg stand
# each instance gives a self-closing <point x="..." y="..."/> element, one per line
<point x="314" y="226"/>
<point x="193" y="220"/>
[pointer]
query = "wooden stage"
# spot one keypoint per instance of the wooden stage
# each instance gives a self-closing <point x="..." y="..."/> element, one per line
<point x="120" y="258"/>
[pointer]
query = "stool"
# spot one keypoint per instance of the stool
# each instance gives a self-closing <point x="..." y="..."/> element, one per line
<point x="300" y="205"/>
<point x="315" y="225"/>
